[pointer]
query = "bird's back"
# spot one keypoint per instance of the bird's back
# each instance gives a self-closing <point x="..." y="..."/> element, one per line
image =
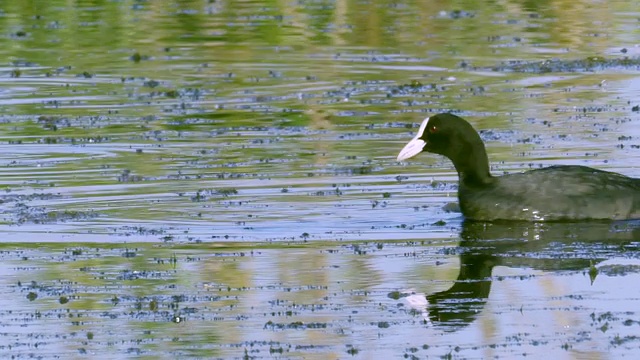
<point x="555" y="193"/>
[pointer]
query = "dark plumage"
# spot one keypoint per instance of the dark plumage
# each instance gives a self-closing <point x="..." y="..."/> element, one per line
<point x="556" y="193"/>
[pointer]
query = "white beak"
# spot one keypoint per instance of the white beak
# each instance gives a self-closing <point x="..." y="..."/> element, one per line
<point x="413" y="148"/>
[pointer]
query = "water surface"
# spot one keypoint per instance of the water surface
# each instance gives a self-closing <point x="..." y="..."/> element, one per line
<point x="218" y="179"/>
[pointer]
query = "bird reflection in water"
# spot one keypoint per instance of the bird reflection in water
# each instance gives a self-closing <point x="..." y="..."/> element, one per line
<point x="541" y="246"/>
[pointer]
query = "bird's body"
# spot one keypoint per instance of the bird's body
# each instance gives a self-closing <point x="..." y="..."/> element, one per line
<point x="556" y="193"/>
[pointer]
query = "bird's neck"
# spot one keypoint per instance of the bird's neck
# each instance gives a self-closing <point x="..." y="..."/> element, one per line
<point x="473" y="169"/>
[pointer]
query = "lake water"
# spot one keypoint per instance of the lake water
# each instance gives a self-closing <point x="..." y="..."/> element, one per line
<point x="217" y="179"/>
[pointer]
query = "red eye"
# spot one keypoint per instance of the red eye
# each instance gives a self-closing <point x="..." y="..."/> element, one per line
<point x="433" y="129"/>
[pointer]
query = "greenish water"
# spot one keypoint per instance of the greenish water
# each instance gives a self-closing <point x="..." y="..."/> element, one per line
<point x="218" y="179"/>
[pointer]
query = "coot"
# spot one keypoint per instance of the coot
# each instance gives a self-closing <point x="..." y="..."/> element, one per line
<point x="556" y="193"/>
